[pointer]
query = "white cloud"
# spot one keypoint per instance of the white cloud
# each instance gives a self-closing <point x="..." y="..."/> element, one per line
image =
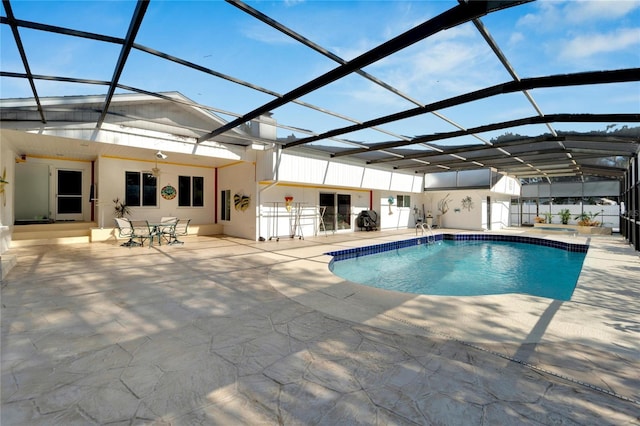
<point x="547" y="15"/>
<point x="449" y="63"/>
<point x="589" y="10"/>
<point x="516" y="38"/>
<point x="591" y="44"/>
<point x="351" y="51"/>
<point x="266" y="34"/>
<point x="554" y="15"/>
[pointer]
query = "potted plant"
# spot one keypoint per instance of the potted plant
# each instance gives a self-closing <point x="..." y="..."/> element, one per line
<point x="565" y="216"/>
<point x="120" y="208"/>
<point x="586" y="219"/>
<point x="548" y="216"/>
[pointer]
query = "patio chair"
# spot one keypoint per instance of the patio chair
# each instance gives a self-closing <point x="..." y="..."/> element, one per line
<point x="143" y="231"/>
<point x="167" y="228"/>
<point x="125" y="230"/>
<point x="181" y="228"/>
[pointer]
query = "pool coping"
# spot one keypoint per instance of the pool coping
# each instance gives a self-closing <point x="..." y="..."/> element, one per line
<point x="395" y="245"/>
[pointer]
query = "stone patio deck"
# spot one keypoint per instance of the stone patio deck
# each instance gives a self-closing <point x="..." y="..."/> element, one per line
<point x="228" y="331"/>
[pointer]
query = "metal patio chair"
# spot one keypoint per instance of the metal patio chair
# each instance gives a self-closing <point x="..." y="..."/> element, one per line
<point x="166" y="229"/>
<point x="125" y="230"/>
<point x="181" y="228"/>
<point x="143" y="231"/>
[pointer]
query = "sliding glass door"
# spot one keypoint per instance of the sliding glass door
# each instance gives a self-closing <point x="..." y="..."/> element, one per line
<point x="337" y="211"/>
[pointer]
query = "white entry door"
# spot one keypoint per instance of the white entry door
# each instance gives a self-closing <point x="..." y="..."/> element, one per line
<point x="68" y="190"/>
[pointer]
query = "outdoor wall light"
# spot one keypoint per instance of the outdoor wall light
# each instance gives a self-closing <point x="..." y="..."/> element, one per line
<point x="161" y="156"/>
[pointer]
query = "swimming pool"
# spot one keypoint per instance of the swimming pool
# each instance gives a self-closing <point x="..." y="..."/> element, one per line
<point x="466" y="265"/>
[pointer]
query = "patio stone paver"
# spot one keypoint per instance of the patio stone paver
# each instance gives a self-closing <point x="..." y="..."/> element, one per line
<point x="224" y="331"/>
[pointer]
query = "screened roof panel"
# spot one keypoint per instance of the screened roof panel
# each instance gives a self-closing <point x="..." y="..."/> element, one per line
<point x="372" y="156"/>
<point x="10" y="55"/>
<point x="374" y="82"/>
<point x="602" y="98"/>
<point x="271" y="59"/>
<point x="61" y="88"/>
<point x="354" y="27"/>
<point x="154" y="73"/>
<point x="421" y="125"/>
<point x="566" y="36"/>
<point x="494" y="109"/>
<point x="530" y="147"/>
<point x="100" y="17"/>
<point x="14" y="87"/>
<point x="357" y="97"/>
<point x="70" y="52"/>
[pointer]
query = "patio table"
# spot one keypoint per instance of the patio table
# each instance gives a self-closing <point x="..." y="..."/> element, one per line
<point x="164" y="228"/>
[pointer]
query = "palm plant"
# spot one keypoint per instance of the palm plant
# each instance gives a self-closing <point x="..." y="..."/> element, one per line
<point x="565" y="215"/>
<point x="120" y="209"/>
<point x="586" y="219"/>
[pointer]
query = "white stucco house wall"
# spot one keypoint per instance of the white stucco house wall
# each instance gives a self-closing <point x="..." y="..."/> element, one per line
<point x="286" y="193"/>
<point x="477" y="200"/>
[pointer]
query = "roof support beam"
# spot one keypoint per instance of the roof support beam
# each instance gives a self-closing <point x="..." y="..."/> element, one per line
<point x="536" y="119"/>
<point x="505" y="62"/>
<point x="603" y="170"/>
<point x="602" y="143"/>
<point x="16" y="35"/>
<point x="495" y="159"/>
<point x="468" y="148"/>
<point x="459" y="14"/>
<point x="61" y="30"/>
<point x="576" y="79"/>
<point x="134" y="26"/>
<point x="188" y="64"/>
<point x="300" y="38"/>
<point x="166" y="98"/>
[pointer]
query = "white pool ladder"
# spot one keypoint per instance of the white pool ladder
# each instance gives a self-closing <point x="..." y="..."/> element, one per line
<point x="431" y="238"/>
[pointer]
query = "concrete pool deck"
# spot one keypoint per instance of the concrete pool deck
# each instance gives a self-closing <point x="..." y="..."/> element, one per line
<point x="229" y="331"/>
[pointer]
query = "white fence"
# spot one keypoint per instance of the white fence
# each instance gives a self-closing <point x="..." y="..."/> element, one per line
<point x="608" y="215"/>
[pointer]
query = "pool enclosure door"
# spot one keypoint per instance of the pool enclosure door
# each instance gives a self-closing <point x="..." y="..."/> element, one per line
<point x="337" y="212"/>
<point x="68" y="194"/>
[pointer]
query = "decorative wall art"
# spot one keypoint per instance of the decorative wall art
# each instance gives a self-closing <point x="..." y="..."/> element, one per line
<point x="467" y="203"/>
<point x="443" y="204"/>
<point x="287" y="202"/>
<point x="241" y="202"/>
<point x="168" y="192"/>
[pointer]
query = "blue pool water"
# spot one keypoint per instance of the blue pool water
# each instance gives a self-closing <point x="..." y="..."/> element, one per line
<point x="468" y="268"/>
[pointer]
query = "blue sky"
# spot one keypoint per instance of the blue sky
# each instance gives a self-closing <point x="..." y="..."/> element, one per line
<point x="539" y="38"/>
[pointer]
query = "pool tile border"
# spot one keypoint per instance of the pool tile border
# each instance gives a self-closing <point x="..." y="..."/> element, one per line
<point x="379" y="248"/>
